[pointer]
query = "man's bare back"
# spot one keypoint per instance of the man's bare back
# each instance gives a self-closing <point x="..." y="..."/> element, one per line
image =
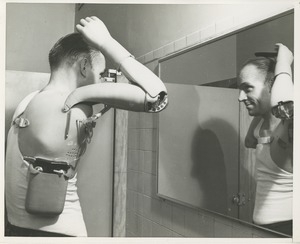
<point x="53" y="134"/>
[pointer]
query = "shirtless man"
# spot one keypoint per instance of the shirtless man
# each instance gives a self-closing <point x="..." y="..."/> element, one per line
<point x="266" y="88"/>
<point x="51" y="127"/>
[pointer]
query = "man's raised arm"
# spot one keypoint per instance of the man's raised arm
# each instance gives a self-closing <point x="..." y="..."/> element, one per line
<point x="147" y="92"/>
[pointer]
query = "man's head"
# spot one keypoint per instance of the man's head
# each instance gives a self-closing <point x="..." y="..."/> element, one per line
<point x="72" y="51"/>
<point x="255" y="82"/>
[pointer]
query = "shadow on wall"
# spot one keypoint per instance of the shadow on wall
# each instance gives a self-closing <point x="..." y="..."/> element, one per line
<point x="209" y="163"/>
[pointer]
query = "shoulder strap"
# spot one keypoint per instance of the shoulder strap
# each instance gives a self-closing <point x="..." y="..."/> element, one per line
<point x="264" y="139"/>
<point x="257" y="128"/>
<point x="22" y="107"/>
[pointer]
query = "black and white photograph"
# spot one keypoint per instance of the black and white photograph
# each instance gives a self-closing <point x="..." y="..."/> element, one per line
<point x="168" y="122"/>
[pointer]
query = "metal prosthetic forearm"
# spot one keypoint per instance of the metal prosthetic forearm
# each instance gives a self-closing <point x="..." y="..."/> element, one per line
<point x="116" y="95"/>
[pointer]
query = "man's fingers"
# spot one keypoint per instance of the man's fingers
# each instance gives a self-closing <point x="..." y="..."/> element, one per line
<point x="83" y="22"/>
<point x="88" y="19"/>
<point x="94" y="18"/>
<point x="79" y="27"/>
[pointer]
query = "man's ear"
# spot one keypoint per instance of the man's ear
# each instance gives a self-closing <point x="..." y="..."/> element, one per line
<point x="83" y="66"/>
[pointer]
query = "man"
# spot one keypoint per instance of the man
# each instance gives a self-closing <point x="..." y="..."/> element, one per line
<point x="266" y="88"/>
<point x="51" y="128"/>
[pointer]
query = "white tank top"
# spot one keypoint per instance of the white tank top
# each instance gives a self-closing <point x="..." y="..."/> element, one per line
<point x="274" y="189"/>
<point x="69" y="222"/>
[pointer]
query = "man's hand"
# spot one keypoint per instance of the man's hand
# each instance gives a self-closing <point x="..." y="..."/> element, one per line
<point x="94" y="32"/>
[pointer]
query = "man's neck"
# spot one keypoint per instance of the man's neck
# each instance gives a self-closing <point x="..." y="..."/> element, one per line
<point x="62" y="80"/>
<point x="270" y="121"/>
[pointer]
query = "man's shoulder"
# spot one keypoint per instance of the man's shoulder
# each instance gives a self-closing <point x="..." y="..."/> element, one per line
<point x="51" y="103"/>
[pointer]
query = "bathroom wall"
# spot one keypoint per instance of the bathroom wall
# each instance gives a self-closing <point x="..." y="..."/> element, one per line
<point x="31" y="31"/>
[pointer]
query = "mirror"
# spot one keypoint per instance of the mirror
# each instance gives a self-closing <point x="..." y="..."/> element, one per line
<point x="202" y="160"/>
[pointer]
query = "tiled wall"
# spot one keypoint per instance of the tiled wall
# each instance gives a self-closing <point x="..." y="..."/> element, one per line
<point x="148" y="215"/>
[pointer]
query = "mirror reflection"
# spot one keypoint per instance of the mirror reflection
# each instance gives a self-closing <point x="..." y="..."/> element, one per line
<point x="223" y="144"/>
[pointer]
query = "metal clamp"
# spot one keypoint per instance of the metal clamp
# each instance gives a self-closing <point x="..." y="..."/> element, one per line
<point x="112" y="75"/>
<point x="21" y="122"/>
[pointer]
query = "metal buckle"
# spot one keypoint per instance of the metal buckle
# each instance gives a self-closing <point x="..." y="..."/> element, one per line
<point x="21" y="122"/>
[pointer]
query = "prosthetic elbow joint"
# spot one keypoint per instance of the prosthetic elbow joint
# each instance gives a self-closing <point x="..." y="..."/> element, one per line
<point x="156" y="104"/>
<point x="284" y="110"/>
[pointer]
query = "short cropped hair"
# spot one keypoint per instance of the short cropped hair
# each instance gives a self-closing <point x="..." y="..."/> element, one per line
<point x="266" y="66"/>
<point x="69" y="48"/>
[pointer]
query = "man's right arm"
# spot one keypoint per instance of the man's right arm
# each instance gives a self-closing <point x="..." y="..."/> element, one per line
<point x="148" y="91"/>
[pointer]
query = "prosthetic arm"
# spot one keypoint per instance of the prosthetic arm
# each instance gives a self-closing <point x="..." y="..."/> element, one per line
<point x="117" y="95"/>
<point x="282" y="101"/>
<point x="147" y="93"/>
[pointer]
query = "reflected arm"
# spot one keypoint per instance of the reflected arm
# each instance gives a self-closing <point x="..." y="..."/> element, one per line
<point x="282" y="100"/>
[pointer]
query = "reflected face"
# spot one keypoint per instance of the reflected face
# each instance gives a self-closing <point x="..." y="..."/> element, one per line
<point x="96" y="70"/>
<point x="254" y="93"/>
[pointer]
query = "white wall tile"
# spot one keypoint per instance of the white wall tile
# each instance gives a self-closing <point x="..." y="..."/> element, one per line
<point x="147" y="120"/>
<point x="135" y="227"/>
<point x="135" y="178"/>
<point x="156" y="210"/>
<point x="133" y="159"/>
<point x="206" y="226"/>
<point x="241" y="232"/>
<point x="132" y="180"/>
<point x="147" y="207"/>
<point x="146" y="139"/>
<point x="208" y="32"/>
<point x="193" y="38"/>
<point x="140" y="204"/>
<point x="139" y="231"/>
<point x="160" y="231"/>
<point x="141" y="162"/>
<point x="133" y="120"/>
<point x="222" y="230"/>
<point x="129" y="221"/>
<point x="178" y="219"/>
<point x="169" y="48"/>
<point x="146" y="228"/>
<point x="129" y="200"/>
<point x="180" y="44"/>
<point x="158" y="53"/>
<point x="148" y="184"/>
<point x="191" y="223"/>
<point x="149" y="57"/>
<point x="224" y="25"/>
<point x="166" y="214"/>
<point x="140" y="185"/>
<point x="133" y="139"/>
<point x="150" y="162"/>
